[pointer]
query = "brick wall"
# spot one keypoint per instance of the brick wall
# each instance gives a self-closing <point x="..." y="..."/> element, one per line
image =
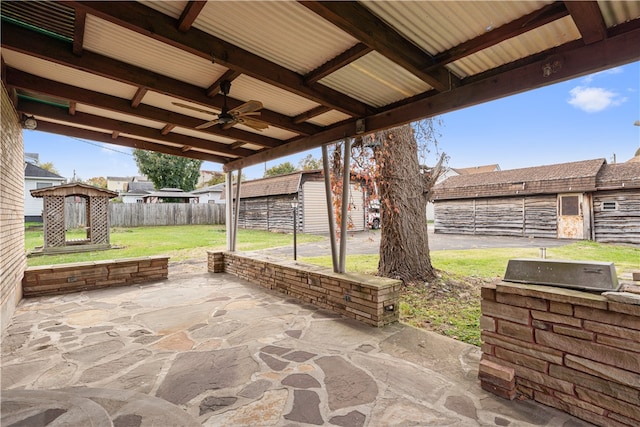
<point x="12" y="254"/>
<point x="84" y="276"/>
<point x="572" y="350"/>
<point x="369" y="299"/>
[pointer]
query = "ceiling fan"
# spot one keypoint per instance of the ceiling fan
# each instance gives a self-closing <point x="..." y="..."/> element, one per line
<point x="230" y="117"/>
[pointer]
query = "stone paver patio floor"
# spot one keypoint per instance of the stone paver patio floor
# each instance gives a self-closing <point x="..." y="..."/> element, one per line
<point x="213" y="350"/>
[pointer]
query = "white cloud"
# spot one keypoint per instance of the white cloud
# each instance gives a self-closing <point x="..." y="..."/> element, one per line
<point x="594" y="99"/>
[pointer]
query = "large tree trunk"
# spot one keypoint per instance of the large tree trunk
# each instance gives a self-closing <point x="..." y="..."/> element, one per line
<point x="404" y="246"/>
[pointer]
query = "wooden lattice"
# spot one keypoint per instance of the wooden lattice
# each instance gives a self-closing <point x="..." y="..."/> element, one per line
<point x="54" y="232"/>
<point x="99" y="219"/>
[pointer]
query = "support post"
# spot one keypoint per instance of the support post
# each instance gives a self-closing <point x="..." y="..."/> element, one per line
<point x="330" y="215"/>
<point x="228" y="190"/>
<point x="346" y="183"/>
<point x="236" y="212"/>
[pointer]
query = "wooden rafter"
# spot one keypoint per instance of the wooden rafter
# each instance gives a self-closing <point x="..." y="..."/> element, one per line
<point x="229" y="75"/>
<point x="358" y="21"/>
<point x="311" y="113"/>
<point x="26" y="81"/>
<point x="117" y="126"/>
<point x="189" y="14"/>
<point x="137" y="98"/>
<point x="78" y="32"/>
<point x="41" y="46"/>
<point x="507" y="80"/>
<point x="123" y="141"/>
<point x="588" y="19"/>
<point x="334" y="64"/>
<point x="139" y="18"/>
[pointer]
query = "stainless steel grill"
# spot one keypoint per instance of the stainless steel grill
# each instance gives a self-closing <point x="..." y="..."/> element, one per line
<point x="583" y="275"/>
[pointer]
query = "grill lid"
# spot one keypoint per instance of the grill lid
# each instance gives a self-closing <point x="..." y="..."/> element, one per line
<point x="582" y="275"/>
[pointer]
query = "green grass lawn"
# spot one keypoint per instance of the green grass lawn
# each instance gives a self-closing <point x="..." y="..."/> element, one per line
<point x="179" y="242"/>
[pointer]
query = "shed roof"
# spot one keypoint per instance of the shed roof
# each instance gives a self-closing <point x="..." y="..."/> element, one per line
<point x="619" y="175"/>
<point x="74" y="189"/>
<point x="562" y="177"/>
<point x="272" y="186"/>
<point x="319" y="72"/>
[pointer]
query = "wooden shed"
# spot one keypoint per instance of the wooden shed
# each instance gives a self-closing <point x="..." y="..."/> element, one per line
<point x="265" y="203"/>
<point x="569" y="200"/>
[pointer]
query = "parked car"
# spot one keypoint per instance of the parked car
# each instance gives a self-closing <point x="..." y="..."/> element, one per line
<point x="373" y="217"/>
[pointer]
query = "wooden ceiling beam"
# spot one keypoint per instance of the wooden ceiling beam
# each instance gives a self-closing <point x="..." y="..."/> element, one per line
<point x="47" y="48"/>
<point x="619" y="48"/>
<point x="189" y="14"/>
<point x="334" y="64"/>
<point x="358" y="21"/>
<point x="310" y="114"/>
<point x="588" y="19"/>
<point x="117" y="127"/>
<point x="144" y="20"/>
<point x="78" y="32"/>
<point x="30" y="82"/>
<point x="230" y="75"/>
<point x="137" y="98"/>
<point x="92" y="135"/>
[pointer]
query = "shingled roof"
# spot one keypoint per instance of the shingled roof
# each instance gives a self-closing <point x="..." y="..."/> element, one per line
<point x="563" y="177"/>
<point x="619" y="175"/>
<point x="272" y="186"/>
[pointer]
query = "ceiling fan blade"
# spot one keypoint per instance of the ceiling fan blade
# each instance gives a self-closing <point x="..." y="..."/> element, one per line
<point x="250" y="113"/>
<point x="247" y="107"/>
<point x="252" y="123"/>
<point x="201" y="110"/>
<point x="208" y="124"/>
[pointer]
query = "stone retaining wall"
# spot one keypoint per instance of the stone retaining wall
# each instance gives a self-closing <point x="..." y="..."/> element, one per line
<point x="572" y="350"/>
<point x="83" y="276"/>
<point x="369" y="299"/>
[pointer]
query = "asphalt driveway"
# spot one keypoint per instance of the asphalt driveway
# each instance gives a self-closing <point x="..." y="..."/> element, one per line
<point x="368" y="242"/>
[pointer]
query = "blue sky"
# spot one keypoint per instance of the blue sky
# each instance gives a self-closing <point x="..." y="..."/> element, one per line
<point x="585" y="118"/>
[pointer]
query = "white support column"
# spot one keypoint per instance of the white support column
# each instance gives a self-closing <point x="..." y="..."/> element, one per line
<point x="346" y="184"/>
<point x="330" y="215"/>
<point x="228" y="212"/>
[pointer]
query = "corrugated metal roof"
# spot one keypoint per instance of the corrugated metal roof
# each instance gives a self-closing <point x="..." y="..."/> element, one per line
<point x="49" y="16"/>
<point x="329" y="118"/>
<point x="273" y="98"/>
<point x="538" y="40"/>
<point x="618" y="12"/>
<point x="436" y="26"/>
<point x="375" y="80"/>
<point x="66" y="75"/>
<point x="310" y="40"/>
<point x="108" y="39"/>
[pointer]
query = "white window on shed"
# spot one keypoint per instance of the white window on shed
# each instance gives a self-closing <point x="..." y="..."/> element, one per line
<point x="609" y="206"/>
<point x="43" y="185"/>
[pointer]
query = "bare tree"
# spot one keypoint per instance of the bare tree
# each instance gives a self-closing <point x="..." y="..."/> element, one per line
<point x="391" y="159"/>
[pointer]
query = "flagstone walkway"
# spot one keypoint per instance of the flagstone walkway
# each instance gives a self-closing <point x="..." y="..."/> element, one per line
<point x="213" y="350"/>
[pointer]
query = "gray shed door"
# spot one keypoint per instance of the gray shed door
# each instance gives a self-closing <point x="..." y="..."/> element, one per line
<point x="315" y="208"/>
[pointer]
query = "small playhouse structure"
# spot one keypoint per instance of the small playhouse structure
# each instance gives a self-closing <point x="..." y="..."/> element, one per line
<point x="96" y="201"/>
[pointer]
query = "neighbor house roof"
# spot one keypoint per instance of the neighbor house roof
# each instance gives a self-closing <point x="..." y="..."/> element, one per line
<point x="33" y="171"/>
<point x="171" y="192"/>
<point x="563" y="177"/>
<point x="217" y="188"/>
<point x="139" y="188"/>
<point x="476" y="169"/>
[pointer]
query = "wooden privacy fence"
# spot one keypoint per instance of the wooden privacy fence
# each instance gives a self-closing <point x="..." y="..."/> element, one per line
<point x="149" y="214"/>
